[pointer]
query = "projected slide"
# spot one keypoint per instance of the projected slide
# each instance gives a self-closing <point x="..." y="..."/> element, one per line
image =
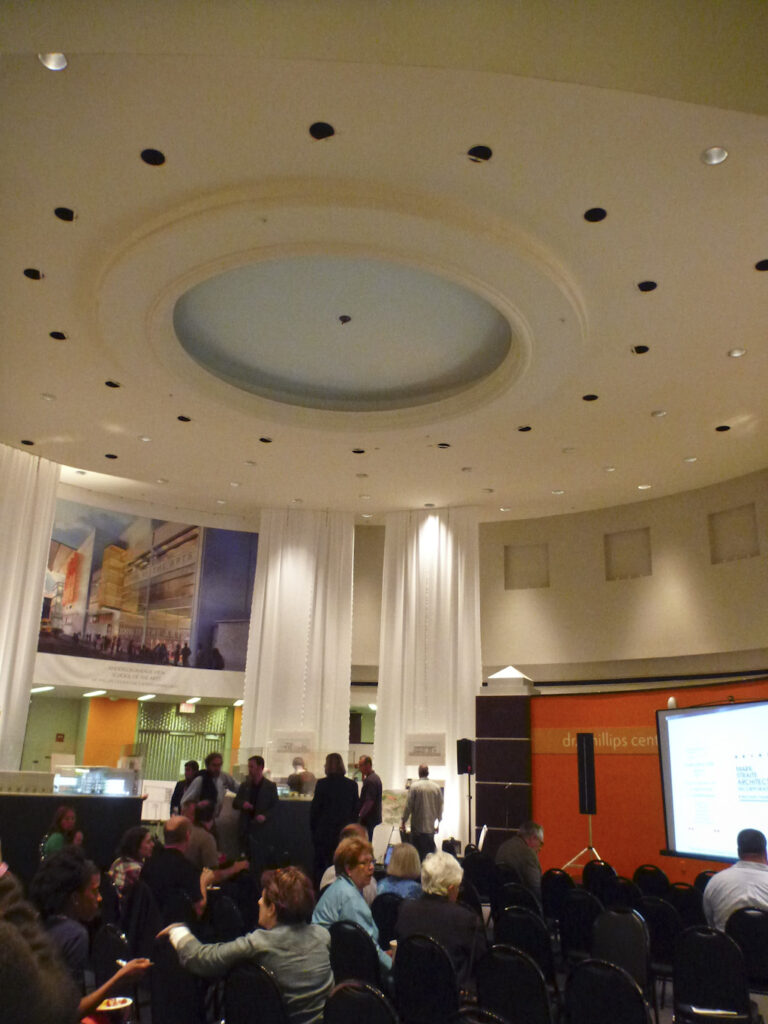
<point x="714" y="764"/>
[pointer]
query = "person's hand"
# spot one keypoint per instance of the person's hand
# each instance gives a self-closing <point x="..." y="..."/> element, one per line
<point x="241" y="865"/>
<point x="134" y="967"/>
<point x="77" y="839"/>
<point x="261" y="818"/>
<point x="247" y="806"/>
<point x="206" y="877"/>
<point x="167" y="930"/>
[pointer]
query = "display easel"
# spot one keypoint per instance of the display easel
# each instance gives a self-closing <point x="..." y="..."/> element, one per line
<point x="588" y="849"/>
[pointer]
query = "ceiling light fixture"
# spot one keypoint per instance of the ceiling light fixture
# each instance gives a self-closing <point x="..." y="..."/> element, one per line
<point x="234" y="483"/>
<point x="367" y="515"/>
<point x="193" y="700"/>
<point x="144" y="438"/>
<point x="41" y="689"/>
<point x="658" y="413"/>
<point x="609" y="469"/>
<point x="238" y="703"/>
<point x="373" y="707"/>
<point x="690" y="458"/>
<point x="644" y="487"/>
<point x="95" y="693"/>
<point x="558" y="491"/>
<point x="147" y="696"/>
<point x="221" y="501"/>
<point x="48" y="397"/>
<point x="737" y="353"/>
<point x="162" y="480"/>
<point x="53" y="61"/>
<point x="504" y="508"/>
<point x="714" y="155"/>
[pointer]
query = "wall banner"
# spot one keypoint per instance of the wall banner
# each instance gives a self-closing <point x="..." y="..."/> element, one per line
<point x="609" y="739"/>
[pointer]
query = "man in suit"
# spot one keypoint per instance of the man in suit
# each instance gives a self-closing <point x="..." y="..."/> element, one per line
<point x="369" y="811"/>
<point x="257" y="802"/>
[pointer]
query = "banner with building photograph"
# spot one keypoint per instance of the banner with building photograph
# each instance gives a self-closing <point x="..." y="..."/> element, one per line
<point x="135" y="591"/>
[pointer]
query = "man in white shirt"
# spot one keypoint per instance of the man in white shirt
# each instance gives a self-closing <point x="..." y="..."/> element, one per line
<point x="745" y="884"/>
<point x="424" y="807"/>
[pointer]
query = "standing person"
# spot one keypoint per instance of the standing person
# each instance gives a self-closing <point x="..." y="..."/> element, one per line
<point x="424" y="807"/>
<point x="743" y="884"/>
<point x="334" y="805"/>
<point x="257" y="802"/>
<point x="63" y="831"/>
<point x="297" y="953"/>
<point x="191" y="769"/>
<point x="210" y="785"/>
<point x="169" y="874"/>
<point x="300" y="780"/>
<point x="369" y="811"/>
<point x="521" y="853"/>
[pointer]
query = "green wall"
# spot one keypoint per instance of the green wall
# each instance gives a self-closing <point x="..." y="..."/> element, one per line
<point x="47" y="717"/>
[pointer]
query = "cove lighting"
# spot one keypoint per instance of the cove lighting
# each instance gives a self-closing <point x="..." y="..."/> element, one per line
<point x="41" y="689"/>
<point x="95" y="693"/>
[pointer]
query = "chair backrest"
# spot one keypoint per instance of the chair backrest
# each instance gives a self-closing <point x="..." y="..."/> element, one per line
<point x="353" y="953"/>
<point x="251" y="995"/>
<point x="597" y="992"/>
<point x="141" y="919"/>
<point x="426" y="988"/>
<point x="578" y="913"/>
<point x="621" y="937"/>
<point x="385" y="908"/>
<point x="688" y="902"/>
<point x="700" y="881"/>
<point x="109" y="911"/>
<point x="622" y="892"/>
<point x="110" y="944"/>
<point x="555" y="884"/>
<point x="709" y="972"/>
<point x="510" y="983"/>
<point x="177" y="996"/>
<point x="597" y="876"/>
<point x="354" y="1001"/>
<point x="527" y="931"/>
<point x="515" y="894"/>
<point x="477" y="1015"/>
<point x="748" y="927"/>
<point x="664" y="926"/>
<point x="651" y="880"/>
<point x="481" y="871"/>
<point x="224" y="917"/>
<point x="470" y="897"/>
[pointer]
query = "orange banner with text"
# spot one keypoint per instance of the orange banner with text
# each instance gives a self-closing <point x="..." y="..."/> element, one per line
<point x="616" y="739"/>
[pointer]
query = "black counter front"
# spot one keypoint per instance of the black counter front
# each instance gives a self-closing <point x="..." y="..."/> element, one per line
<point x="24" y="820"/>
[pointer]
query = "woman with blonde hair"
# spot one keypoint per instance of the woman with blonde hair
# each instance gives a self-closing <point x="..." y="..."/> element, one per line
<point x="403" y="873"/>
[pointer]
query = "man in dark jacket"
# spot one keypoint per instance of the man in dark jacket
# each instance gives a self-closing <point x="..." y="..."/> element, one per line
<point x="257" y="802"/>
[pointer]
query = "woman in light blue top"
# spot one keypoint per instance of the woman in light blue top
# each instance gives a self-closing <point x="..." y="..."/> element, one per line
<point x="403" y="873"/>
<point x="343" y="900"/>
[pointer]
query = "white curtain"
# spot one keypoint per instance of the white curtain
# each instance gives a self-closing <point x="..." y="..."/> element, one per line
<point x="27" y="505"/>
<point x="430" y="664"/>
<point x="298" y="666"/>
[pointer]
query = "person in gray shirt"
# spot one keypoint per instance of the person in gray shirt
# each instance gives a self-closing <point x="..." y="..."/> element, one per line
<point x="297" y="953"/>
<point x="424" y="807"/>
<point x="521" y="853"/>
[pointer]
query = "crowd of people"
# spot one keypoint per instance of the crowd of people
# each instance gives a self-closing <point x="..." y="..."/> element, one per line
<point x="286" y="915"/>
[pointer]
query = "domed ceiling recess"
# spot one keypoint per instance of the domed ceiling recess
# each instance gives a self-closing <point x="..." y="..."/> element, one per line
<point x="341" y="334"/>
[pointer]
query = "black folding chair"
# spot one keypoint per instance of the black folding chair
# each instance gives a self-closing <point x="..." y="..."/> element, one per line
<point x="710" y="979"/>
<point x="252" y="996"/>
<point x="748" y="927"/>
<point x="353" y="954"/>
<point x="596" y="877"/>
<point x="598" y="992"/>
<point x="352" y="1002"/>
<point x="385" y="909"/>
<point x="426" y="988"/>
<point x="555" y="885"/>
<point x="510" y="983"/>
<point x="664" y="926"/>
<point x="578" y="913"/>
<point x="687" y="901"/>
<point x="527" y="931"/>
<point x="651" y="880"/>
<point x="177" y="996"/>
<point x="621" y="937"/>
<point x="515" y="894"/>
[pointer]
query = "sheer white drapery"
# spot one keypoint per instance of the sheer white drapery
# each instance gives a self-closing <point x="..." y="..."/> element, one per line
<point x="27" y="505"/>
<point x="430" y="664"/>
<point x="298" y="665"/>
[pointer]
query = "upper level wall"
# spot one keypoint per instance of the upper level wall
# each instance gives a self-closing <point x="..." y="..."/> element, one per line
<point x="687" y="606"/>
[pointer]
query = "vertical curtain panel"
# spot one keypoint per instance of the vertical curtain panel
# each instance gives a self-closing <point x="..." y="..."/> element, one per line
<point x="27" y="505"/>
<point x="298" y="665"/>
<point x="430" y="664"/>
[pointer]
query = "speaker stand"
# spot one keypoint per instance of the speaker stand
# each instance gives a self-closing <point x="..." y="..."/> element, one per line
<point x="469" y="807"/>
<point x="589" y="848"/>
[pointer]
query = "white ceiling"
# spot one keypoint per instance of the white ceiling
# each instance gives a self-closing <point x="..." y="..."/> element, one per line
<point x="598" y="108"/>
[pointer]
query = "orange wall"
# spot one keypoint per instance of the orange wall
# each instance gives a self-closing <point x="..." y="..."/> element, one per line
<point x="628" y="828"/>
<point x="111" y="728"/>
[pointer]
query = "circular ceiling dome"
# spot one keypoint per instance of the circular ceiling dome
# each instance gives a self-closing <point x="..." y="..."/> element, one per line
<point x="341" y="334"/>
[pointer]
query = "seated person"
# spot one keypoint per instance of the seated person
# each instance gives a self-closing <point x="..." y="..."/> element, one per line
<point x="35" y="986"/>
<point x="343" y="900"/>
<point x="744" y="884"/>
<point x="202" y="850"/>
<point x="63" y="831"/>
<point x="437" y="914"/>
<point x="297" y="953"/>
<point x="135" y="847"/>
<point x="66" y="891"/>
<point x="170" y="875"/>
<point x="403" y="873"/>
<point x="521" y="854"/>
<point x="329" y="875"/>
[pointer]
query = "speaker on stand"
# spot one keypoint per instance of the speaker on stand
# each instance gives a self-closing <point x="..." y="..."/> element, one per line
<point x="465" y="765"/>
<point x="585" y="754"/>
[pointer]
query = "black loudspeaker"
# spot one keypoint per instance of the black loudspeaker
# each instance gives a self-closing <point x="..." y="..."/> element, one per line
<point x="586" y="758"/>
<point x="465" y="757"/>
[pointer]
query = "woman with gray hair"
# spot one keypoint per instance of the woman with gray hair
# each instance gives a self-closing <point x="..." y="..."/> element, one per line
<point x="437" y="914"/>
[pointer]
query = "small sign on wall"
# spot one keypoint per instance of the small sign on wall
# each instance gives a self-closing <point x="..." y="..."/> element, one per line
<point x="425" y="748"/>
<point x="59" y="737"/>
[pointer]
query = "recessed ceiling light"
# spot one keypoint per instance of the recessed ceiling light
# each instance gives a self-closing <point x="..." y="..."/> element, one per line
<point x="367" y="515"/>
<point x="266" y="440"/>
<point x="297" y="501"/>
<point x="144" y="438"/>
<point x="110" y="455"/>
<point x="488" y="490"/>
<point x="364" y="497"/>
<point x="639" y="350"/>
<point x="658" y="413"/>
<point x="358" y="451"/>
<point x="112" y="383"/>
<point x="48" y="397"/>
<point x="192" y="700"/>
<point x="558" y="491"/>
<point x="345" y="318"/>
<point x="525" y="429"/>
<point x="162" y="480"/>
<point x="714" y="155"/>
<point x="250" y="462"/>
<point x="589" y="398"/>
<point x="737" y="353"/>
<point x="443" y="444"/>
<point x="221" y="501"/>
<point x="644" y="487"/>
<point x="480" y="154"/>
<point x="361" y="476"/>
<point x="95" y="693"/>
<point x="690" y="458"/>
<point x="429" y="504"/>
<point x="609" y="469"/>
<point x="722" y="428"/>
<point x="234" y="483"/>
<point x="761" y="265"/>
<point x="647" y="286"/>
<point x="53" y="61"/>
<point x="238" y="703"/>
<point x="153" y="157"/>
<point x="147" y="696"/>
<point x="41" y="689"/>
<point x="595" y="214"/>
<point x="321" y="130"/>
<point x="57" y="335"/>
<point x="568" y="451"/>
<point x="504" y="508"/>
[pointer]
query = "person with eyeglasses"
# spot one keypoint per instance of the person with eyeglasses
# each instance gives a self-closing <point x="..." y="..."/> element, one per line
<point x="343" y="900"/>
